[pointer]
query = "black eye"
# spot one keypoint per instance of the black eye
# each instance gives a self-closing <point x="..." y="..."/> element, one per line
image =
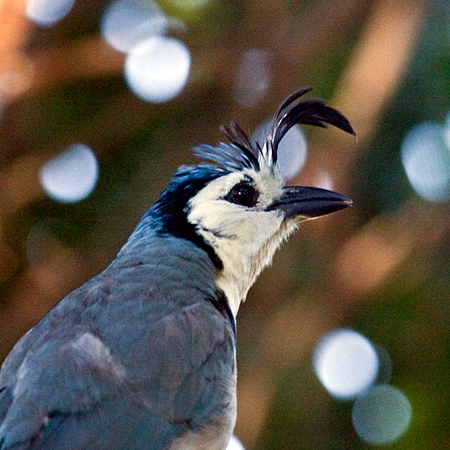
<point x="243" y="194"/>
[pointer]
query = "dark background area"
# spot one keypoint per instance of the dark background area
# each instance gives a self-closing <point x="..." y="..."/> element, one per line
<point x="381" y="268"/>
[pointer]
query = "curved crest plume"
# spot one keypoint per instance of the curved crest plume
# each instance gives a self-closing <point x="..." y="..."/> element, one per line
<point x="292" y="111"/>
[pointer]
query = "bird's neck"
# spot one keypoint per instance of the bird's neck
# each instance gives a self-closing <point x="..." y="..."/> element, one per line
<point x="235" y="289"/>
<point x="167" y="259"/>
<point x="242" y="266"/>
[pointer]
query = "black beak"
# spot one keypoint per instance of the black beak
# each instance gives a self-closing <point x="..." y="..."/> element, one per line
<point x="309" y="202"/>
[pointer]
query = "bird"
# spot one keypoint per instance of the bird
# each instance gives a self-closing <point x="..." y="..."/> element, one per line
<point x="143" y="355"/>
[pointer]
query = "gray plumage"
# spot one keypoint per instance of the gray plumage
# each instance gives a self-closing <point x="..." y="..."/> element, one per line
<point x="118" y="363"/>
<point x="142" y="356"/>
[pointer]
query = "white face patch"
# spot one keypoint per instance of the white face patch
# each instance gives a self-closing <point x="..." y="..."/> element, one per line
<point x="244" y="238"/>
<point x="220" y="220"/>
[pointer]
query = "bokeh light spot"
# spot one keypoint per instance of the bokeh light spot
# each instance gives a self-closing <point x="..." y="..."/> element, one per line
<point x="426" y="159"/>
<point x="292" y="151"/>
<point x="72" y="175"/>
<point x="157" y="69"/>
<point x="48" y="12"/>
<point x="253" y="77"/>
<point x="346" y="363"/>
<point x="382" y="415"/>
<point x="125" y="23"/>
<point x="235" y="444"/>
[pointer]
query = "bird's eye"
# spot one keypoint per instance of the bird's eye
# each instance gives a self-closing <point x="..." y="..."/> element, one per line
<point x="243" y="194"/>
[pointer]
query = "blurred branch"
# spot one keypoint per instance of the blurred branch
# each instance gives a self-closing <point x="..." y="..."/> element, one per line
<point x="14" y="29"/>
<point x="368" y="83"/>
<point x="85" y="58"/>
<point x="379" y="63"/>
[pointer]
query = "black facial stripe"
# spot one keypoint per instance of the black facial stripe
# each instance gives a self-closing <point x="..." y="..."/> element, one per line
<point x="170" y="211"/>
<point x="218" y="234"/>
<point x="222" y="305"/>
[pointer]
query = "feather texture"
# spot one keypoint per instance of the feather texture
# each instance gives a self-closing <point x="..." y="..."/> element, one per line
<point x="243" y="154"/>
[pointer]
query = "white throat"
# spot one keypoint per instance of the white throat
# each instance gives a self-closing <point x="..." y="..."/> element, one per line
<point x="242" y="264"/>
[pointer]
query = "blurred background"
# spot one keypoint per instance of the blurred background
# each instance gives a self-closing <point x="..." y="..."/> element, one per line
<point x="344" y="341"/>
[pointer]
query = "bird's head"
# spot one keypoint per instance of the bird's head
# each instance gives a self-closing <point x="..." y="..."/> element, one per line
<point x="239" y="209"/>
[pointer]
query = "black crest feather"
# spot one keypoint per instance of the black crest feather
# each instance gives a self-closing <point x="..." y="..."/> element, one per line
<point x="292" y="111"/>
<point x="313" y="111"/>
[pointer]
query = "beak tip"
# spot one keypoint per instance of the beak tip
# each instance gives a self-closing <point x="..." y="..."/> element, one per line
<point x="348" y="202"/>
